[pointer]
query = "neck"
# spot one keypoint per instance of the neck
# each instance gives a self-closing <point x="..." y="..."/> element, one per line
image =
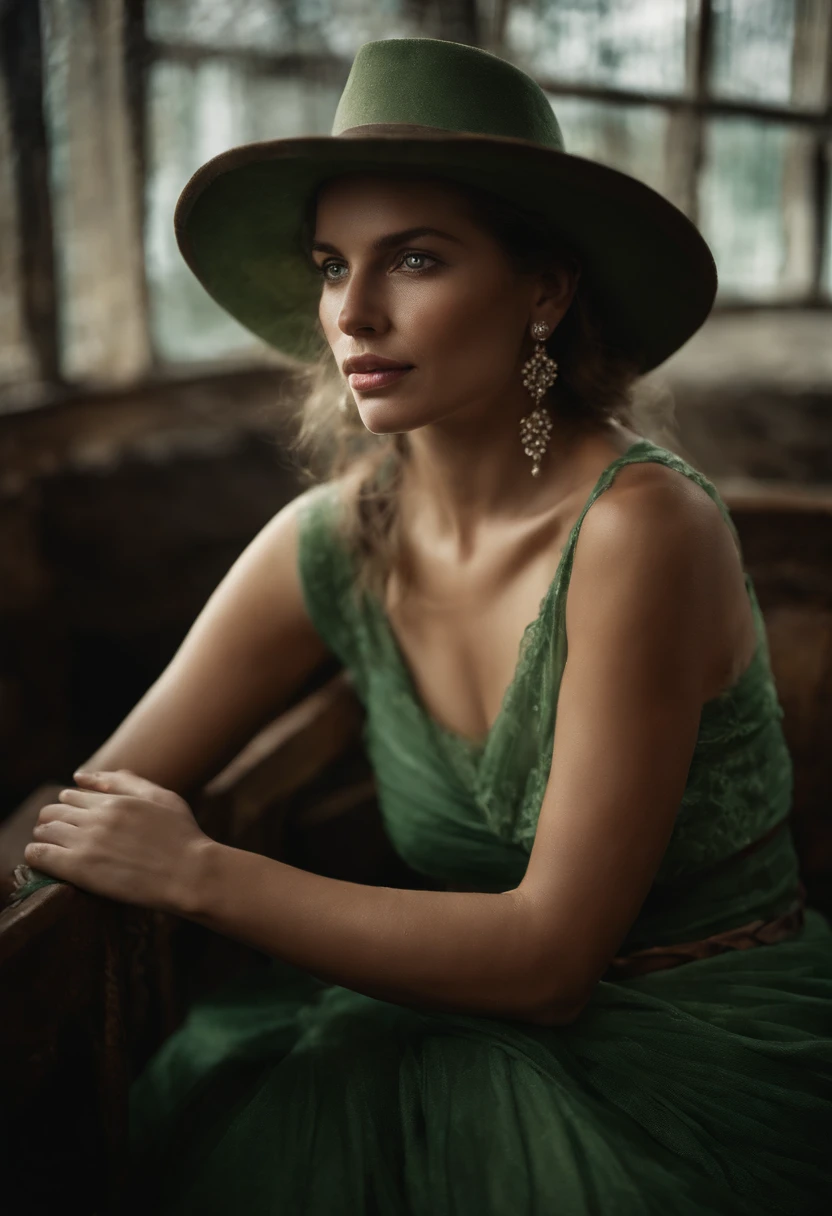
<point x="463" y="474"/>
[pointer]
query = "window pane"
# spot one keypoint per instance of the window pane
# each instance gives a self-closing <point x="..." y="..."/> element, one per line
<point x="195" y="113"/>
<point x="245" y="24"/>
<point x="285" y="26"/>
<point x="755" y="207"/>
<point x="638" y="44"/>
<point x="752" y="49"/>
<point x="630" y="138"/>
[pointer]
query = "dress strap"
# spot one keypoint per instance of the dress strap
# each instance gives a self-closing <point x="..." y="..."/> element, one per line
<point x="645" y="451"/>
<point x="326" y="578"/>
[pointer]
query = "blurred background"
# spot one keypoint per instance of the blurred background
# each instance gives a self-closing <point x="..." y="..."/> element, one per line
<point x="140" y="443"/>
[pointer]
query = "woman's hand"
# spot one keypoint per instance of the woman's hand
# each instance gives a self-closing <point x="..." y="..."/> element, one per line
<point x="122" y="837"/>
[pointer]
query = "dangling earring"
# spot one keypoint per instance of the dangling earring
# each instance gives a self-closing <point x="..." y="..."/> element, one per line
<point x="538" y="373"/>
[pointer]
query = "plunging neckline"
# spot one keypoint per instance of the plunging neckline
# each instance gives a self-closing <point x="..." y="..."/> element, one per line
<point x="476" y="748"/>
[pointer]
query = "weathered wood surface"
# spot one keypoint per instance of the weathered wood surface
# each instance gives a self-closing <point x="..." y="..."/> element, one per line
<point x="63" y="1056"/>
<point x="91" y="987"/>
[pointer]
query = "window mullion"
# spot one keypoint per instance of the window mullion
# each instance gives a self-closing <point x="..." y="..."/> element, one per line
<point x="458" y="21"/>
<point x="95" y="187"/>
<point x="500" y="12"/>
<point x="28" y="339"/>
<point x="136" y="67"/>
<point x="812" y="86"/>
<point x="685" y="128"/>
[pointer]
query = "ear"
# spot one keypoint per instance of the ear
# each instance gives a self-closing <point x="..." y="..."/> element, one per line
<point x="556" y="289"/>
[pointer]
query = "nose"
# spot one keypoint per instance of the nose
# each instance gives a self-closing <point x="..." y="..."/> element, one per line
<point x="362" y="304"/>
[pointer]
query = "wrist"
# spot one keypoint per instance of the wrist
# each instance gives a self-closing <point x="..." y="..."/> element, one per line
<point x="200" y="878"/>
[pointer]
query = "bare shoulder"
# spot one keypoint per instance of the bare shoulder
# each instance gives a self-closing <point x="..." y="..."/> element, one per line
<point x="649" y="574"/>
<point x="647" y="586"/>
<point x="651" y="509"/>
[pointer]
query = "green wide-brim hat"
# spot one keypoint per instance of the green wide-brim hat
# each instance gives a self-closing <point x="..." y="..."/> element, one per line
<point x="465" y="114"/>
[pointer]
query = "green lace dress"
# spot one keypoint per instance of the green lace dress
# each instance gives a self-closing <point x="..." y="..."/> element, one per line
<point x="706" y="1087"/>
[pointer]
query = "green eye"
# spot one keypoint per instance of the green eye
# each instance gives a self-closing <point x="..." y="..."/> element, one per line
<point x="325" y="266"/>
<point x="423" y="256"/>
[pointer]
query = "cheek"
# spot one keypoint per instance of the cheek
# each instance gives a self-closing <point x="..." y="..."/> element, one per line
<point x="452" y="319"/>
<point x="474" y="339"/>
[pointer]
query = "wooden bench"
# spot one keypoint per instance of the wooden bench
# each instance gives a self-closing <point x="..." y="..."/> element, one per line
<point x="90" y="988"/>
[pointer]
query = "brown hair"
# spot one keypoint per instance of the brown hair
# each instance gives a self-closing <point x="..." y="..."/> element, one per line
<point x="595" y="382"/>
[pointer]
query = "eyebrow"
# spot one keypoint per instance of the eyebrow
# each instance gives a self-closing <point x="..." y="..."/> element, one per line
<point x="393" y="238"/>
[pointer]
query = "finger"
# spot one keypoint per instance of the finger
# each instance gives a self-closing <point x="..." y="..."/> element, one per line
<point x="79" y="797"/>
<point x="56" y="831"/>
<point x="84" y="778"/>
<point x="50" y="858"/>
<point x="68" y="813"/>
<point x="93" y="799"/>
<point x="123" y="781"/>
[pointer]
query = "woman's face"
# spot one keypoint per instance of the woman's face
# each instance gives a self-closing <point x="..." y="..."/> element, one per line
<point x="408" y="275"/>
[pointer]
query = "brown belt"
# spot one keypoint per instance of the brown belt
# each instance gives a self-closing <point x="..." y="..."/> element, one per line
<point x="743" y="937"/>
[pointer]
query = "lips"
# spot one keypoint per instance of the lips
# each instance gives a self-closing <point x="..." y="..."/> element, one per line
<point x="372" y="363"/>
<point x="378" y="378"/>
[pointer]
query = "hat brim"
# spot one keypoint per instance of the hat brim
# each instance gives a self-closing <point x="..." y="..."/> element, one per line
<point x="238" y="223"/>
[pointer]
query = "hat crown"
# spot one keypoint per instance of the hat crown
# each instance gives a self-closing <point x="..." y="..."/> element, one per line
<point x="449" y="85"/>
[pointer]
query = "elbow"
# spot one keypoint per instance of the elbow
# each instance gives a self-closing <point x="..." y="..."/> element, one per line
<point x="559" y="1008"/>
<point x="555" y="1013"/>
<point x="557" y="988"/>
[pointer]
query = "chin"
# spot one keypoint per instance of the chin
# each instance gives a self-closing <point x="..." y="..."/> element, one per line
<point x="384" y="418"/>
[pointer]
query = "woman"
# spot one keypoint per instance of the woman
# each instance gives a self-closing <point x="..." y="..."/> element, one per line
<point x="618" y="1004"/>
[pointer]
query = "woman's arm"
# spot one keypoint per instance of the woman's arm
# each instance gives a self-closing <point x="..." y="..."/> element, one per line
<point x="642" y="640"/>
<point x="250" y="647"/>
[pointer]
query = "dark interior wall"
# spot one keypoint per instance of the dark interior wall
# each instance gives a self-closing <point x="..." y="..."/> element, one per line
<point x="753" y="396"/>
<point x="107" y="556"/>
<point x="120" y="514"/>
<point x="759" y="435"/>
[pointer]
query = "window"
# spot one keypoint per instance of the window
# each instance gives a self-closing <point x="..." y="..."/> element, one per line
<point x="724" y="106"/>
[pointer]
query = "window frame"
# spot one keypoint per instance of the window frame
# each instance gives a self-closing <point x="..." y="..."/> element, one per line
<point x="22" y="84"/>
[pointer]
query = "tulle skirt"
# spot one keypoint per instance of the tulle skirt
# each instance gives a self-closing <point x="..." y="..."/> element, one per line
<point x="703" y="1088"/>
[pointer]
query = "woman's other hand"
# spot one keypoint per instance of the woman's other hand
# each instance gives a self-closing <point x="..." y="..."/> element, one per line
<point x="123" y="837"/>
